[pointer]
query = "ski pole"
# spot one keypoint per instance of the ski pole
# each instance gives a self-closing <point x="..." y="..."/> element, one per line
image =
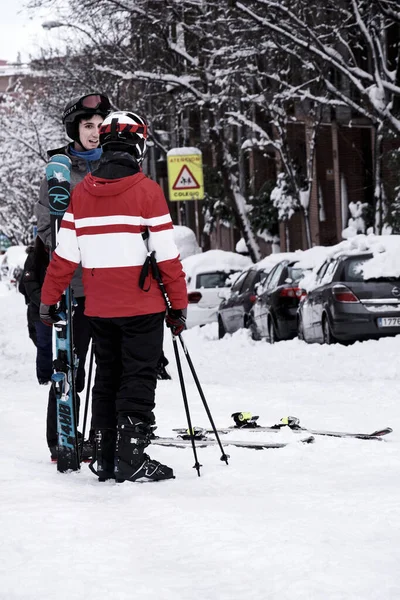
<point x="197" y="465"/>
<point x="157" y="275"/>
<point x="89" y="381"/>
<point x="224" y="456"/>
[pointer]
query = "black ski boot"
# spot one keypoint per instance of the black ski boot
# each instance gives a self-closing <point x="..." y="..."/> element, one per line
<point x="104" y="453"/>
<point x="131" y="462"/>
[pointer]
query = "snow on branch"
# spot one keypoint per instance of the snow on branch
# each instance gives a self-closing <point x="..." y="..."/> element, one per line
<point x="182" y="52"/>
<point x="236" y="117"/>
<point x="375" y="83"/>
<point x="183" y="81"/>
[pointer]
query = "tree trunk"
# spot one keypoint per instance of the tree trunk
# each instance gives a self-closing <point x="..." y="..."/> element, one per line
<point x="378" y="189"/>
<point x="232" y="192"/>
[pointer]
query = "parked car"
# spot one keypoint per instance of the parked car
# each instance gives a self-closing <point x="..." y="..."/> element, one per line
<point x="234" y="310"/>
<point x="206" y="276"/>
<point x="344" y="307"/>
<point x="274" y="313"/>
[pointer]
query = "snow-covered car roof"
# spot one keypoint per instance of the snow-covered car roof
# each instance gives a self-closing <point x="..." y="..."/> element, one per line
<point x="385" y="261"/>
<point x="215" y="260"/>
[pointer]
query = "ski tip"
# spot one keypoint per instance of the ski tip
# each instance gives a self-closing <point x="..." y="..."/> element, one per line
<point x="62" y="159"/>
<point x="380" y="432"/>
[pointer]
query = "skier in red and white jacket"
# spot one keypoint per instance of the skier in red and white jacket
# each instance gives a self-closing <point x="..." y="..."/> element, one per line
<point x="103" y="228"/>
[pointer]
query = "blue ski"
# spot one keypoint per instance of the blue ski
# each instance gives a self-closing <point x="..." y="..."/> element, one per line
<point x="58" y="174"/>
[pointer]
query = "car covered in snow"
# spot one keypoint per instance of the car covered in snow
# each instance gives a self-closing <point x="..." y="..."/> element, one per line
<point x="344" y="305"/>
<point x="206" y="276"/>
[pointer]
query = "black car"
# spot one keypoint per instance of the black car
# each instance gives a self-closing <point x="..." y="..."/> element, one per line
<point x="233" y="312"/>
<point x="274" y="313"/>
<point x="344" y="307"/>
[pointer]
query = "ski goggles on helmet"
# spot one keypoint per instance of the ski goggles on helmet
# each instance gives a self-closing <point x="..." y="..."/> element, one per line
<point x="123" y="128"/>
<point x="94" y="101"/>
<point x="91" y="104"/>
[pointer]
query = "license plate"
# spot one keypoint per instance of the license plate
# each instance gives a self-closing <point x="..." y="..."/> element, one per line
<point x="389" y="322"/>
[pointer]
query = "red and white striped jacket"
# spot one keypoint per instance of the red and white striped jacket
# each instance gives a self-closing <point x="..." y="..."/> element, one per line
<point x="102" y="229"/>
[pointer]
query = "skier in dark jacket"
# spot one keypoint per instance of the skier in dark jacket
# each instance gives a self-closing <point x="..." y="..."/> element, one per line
<point x="102" y="228"/>
<point x="31" y="283"/>
<point x="82" y="118"/>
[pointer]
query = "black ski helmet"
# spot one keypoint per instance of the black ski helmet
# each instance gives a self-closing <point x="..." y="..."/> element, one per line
<point x="84" y="106"/>
<point x="124" y="130"/>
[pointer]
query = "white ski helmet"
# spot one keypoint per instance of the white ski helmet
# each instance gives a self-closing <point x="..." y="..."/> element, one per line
<point x="124" y="130"/>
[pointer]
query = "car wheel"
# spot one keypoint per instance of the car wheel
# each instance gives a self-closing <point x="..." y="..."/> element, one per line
<point x="326" y="328"/>
<point x="255" y="335"/>
<point x="272" y="337"/>
<point x="300" y="332"/>
<point x="221" y="329"/>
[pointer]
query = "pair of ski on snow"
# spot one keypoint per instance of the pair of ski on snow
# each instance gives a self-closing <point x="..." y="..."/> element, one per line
<point x="245" y="421"/>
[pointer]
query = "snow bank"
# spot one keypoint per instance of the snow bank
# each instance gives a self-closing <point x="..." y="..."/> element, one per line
<point x="315" y="522"/>
<point x="186" y="241"/>
<point x="241" y="247"/>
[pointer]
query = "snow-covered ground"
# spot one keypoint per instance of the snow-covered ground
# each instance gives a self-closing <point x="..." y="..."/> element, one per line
<point x="318" y="522"/>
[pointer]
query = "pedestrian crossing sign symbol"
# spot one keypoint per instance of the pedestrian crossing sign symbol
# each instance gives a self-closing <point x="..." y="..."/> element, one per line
<point x="185" y="180"/>
<point x="185" y="174"/>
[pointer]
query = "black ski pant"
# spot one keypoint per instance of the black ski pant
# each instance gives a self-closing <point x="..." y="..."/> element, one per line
<point x="44" y="351"/>
<point x="82" y="335"/>
<point x="31" y="327"/>
<point x="127" y="350"/>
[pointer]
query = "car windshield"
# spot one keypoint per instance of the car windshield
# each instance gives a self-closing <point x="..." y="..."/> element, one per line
<point x="295" y="273"/>
<point x="353" y="269"/>
<point x="216" y="279"/>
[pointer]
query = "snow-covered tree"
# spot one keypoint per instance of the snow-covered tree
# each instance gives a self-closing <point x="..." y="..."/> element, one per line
<point x="27" y="131"/>
<point x="263" y="214"/>
<point x="283" y="198"/>
<point x="356" y="223"/>
<point x="217" y="73"/>
<point x="344" y="55"/>
<point x="185" y="65"/>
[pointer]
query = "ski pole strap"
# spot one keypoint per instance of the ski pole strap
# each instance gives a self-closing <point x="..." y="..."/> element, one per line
<point x="144" y="273"/>
<point x="151" y="262"/>
<point x="158" y="278"/>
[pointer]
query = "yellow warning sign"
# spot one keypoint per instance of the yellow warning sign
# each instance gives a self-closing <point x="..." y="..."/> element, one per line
<point x="185" y="174"/>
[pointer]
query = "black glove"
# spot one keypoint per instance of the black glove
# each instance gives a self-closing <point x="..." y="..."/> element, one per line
<point x="176" y="321"/>
<point x="48" y="314"/>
